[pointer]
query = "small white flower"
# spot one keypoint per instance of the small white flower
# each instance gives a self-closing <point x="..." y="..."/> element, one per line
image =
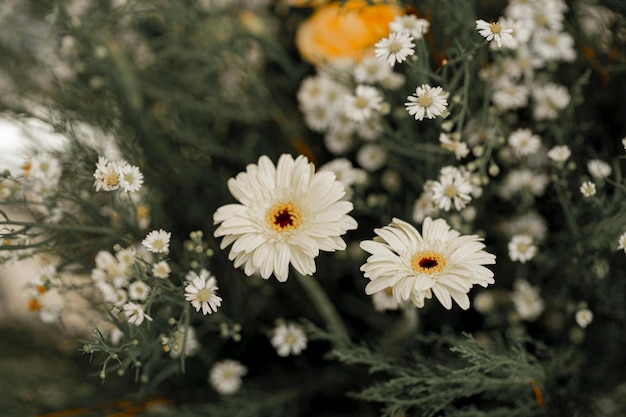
<point x="624" y="143"/>
<point x="621" y="242"/>
<point x="138" y="290"/>
<point x="364" y="104"/>
<point x="135" y="313"/>
<point x="427" y="102"/>
<point x="484" y="302"/>
<point x="225" y="376"/>
<point x="521" y="248"/>
<point x="548" y="100"/>
<point x="459" y="148"/>
<point x="598" y="169"/>
<point x="288" y="339"/>
<point x="371" y="70"/>
<point x="107" y="175"/>
<point x="157" y="241"/>
<point x="496" y="32"/>
<point x="527" y="300"/>
<point x="552" y="45"/>
<point x="161" y="269"/>
<point x="524" y="142"/>
<point x="411" y="24"/>
<point x="588" y="189"/>
<point x="560" y="153"/>
<point x="452" y="189"/>
<point x="201" y="293"/>
<point x="395" y="48"/>
<point x="584" y="317"/>
<point x="371" y="157"/>
<point x="180" y="338"/>
<point x="130" y="178"/>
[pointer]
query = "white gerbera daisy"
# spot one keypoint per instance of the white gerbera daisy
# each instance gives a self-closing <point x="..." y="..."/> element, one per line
<point x="157" y="241"/>
<point x="288" y="213"/>
<point x="427" y="102"/>
<point x="395" y="48"/>
<point x="497" y="32"/>
<point x="201" y="292"/>
<point x="439" y="260"/>
<point x="225" y="376"/>
<point x="288" y="339"/>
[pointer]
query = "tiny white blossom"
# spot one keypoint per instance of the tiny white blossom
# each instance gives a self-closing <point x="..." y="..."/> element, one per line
<point x="588" y="189"/>
<point x="559" y="153"/>
<point x="135" y="313"/>
<point x="459" y="148"/>
<point x="427" y="101"/>
<point x="225" y="376"/>
<point x="130" y="178"/>
<point x="584" y="317"/>
<point x="157" y="241"/>
<point x="621" y="245"/>
<point x="521" y="248"/>
<point x="384" y="300"/>
<point x="395" y="48"/>
<point x="161" y="269"/>
<point x="288" y="339"/>
<point x="524" y="142"/>
<point x="371" y="156"/>
<point x="452" y="189"/>
<point x="410" y="24"/>
<point x="527" y="301"/>
<point x="201" y="293"/>
<point x="364" y="104"/>
<point x="138" y="290"/>
<point x="599" y="169"/>
<point x="496" y="32"/>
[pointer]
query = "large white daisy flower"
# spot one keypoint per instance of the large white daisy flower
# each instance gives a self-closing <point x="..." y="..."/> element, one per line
<point x="288" y="213"/>
<point x="439" y="260"/>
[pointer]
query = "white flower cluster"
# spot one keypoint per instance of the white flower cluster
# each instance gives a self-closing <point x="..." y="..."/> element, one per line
<point x="110" y="176"/>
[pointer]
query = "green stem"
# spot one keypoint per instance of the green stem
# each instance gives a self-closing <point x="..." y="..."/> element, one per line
<point x="325" y="308"/>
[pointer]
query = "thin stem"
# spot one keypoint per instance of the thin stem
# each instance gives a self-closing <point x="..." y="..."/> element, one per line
<point x="325" y="308"/>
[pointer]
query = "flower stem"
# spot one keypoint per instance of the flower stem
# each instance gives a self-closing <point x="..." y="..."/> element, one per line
<point x="325" y="308"/>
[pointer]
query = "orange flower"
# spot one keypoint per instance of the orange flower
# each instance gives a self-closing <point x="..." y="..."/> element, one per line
<point x="350" y="30"/>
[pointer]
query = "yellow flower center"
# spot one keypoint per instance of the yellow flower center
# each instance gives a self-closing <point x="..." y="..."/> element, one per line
<point x="204" y="295"/>
<point x="283" y="217"/>
<point x="428" y="262"/>
<point x="111" y="179"/>
<point x="450" y="191"/>
<point x="425" y="100"/>
<point x="389" y="291"/>
<point x="495" y="28"/>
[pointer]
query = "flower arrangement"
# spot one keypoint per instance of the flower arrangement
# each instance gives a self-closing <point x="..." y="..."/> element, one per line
<point x="314" y="208"/>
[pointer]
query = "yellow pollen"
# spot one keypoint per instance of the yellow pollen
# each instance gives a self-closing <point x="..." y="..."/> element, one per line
<point x="495" y="28"/>
<point x="428" y="262"/>
<point x="425" y="101"/>
<point x="389" y="291"/>
<point x="361" y="102"/>
<point x="111" y="179"/>
<point x="450" y="191"/>
<point x="395" y="47"/>
<point x="290" y="339"/>
<point x="283" y="217"/>
<point x="204" y="295"/>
